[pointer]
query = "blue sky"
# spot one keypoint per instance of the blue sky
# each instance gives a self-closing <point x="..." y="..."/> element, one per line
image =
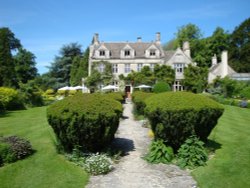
<point x="44" y="26"/>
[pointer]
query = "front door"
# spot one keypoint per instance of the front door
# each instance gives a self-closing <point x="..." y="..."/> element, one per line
<point x="128" y="91"/>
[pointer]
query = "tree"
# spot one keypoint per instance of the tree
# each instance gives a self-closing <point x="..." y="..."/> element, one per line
<point x="8" y="43"/>
<point x="195" y="78"/>
<point x="79" y="68"/>
<point x="239" y="51"/>
<point x="25" y="66"/>
<point x="61" y="67"/>
<point x="189" y="32"/>
<point x="164" y="73"/>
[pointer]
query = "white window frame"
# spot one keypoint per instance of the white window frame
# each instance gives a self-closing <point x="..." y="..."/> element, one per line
<point x="101" y="67"/>
<point x="139" y="67"/>
<point x="115" y="68"/>
<point x="127" y="53"/>
<point x="101" y="52"/>
<point x="152" y="66"/>
<point x="179" y="67"/>
<point x="127" y="68"/>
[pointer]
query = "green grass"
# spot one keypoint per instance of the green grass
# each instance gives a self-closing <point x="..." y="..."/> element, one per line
<point x="45" y="168"/>
<point x="230" y="167"/>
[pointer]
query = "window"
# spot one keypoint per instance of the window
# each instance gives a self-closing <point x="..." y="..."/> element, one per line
<point x="127" y="68"/>
<point x="179" y="67"/>
<point x="152" y="66"/>
<point x="177" y="86"/>
<point x="101" y="68"/>
<point x="152" y="53"/>
<point x="101" y="53"/>
<point x="114" y="68"/>
<point x="139" y="67"/>
<point x="127" y="53"/>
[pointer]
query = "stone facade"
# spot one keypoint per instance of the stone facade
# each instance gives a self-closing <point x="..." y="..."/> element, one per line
<point x="127" y="56"/>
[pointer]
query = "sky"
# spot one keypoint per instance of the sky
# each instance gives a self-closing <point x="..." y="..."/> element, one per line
<point x="44" y="26"/>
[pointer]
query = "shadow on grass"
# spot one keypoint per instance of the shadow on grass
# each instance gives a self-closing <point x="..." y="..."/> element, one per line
<point x="5" y="114"/>
<point x="212" y="146"/>
<point x="123" y="144"/>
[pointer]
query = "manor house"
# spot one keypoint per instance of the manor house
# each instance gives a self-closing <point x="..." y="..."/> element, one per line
<point x="127" y="56"/>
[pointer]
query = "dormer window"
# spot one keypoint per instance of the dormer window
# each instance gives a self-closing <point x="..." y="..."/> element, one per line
<point x="101" y="53"/>
<point x="127" y="53"/>
<point x="152" y="53"/>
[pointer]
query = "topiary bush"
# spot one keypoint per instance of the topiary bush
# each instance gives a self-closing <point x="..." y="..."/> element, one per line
<point x="139" y="98"/>
<point x="174" y="116"/>
<point x="86" y="120"/>
<point x="160" y="87"/>
<point x="10" y="99"/>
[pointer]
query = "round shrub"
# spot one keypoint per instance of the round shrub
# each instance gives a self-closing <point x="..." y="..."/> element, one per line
<point x="97" y="164"/>
<point x="160" y="87"/>
<point x="139" y="98"/>
<point x="86" y="120"/>
<point x="14" y="148"/>
<point x="10" y="99"/>
<point x="174" y="116"/>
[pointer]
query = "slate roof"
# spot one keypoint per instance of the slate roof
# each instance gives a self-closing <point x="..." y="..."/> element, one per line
<point x="139" y="47"/>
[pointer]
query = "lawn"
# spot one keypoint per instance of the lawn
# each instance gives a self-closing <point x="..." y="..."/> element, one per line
<point x="230" y="167"/>
<point x="45" y="168"/>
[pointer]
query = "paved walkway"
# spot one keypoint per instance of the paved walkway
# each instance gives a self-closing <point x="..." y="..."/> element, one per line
<point x="132" y="171"/>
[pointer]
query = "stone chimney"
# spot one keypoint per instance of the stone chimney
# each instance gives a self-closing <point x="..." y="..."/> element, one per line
<point x="186" y="49"/>
<point x="158" y="38"/>
<point x="214" y="60"/>
<point x="139" y="39"/>
<point x="224" y="62"/>
<point x="96" y="39"/>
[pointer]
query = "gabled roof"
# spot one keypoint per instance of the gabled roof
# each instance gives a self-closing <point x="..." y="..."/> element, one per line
<point x="139" y="47"/>
<point x="216" y="69"/>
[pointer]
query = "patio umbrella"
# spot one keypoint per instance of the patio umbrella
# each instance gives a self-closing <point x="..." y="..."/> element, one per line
<point x="64" y="88"/>
<point x="143" y="86"/>
<point x="109" y="87"/>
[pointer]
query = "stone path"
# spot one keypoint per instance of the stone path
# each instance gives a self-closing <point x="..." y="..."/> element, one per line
<point x="132" y="171"/>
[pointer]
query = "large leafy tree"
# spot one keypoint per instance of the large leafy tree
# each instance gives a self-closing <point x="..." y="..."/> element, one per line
<point x="61" y="67"/>
<point x="239" y="51"/>
<point x="25" y="66"/>
<point x="8" y="43"/>
<point x="164" y="73"/>
<point x="195" y="78"/>
<point x="79" y="68"/>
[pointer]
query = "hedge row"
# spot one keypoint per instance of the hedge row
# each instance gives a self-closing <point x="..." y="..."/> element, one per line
<point x="86" y="120"/>
<point x="139" y="98"/>
<point x="174" y="116"/>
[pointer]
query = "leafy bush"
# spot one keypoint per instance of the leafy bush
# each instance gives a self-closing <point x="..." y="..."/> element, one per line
<point x="139" y="98"/>
<point x="86" y="120"/>
<point x="159" y="153"/>
<point x="192" y="153"/>
<point x="160" y="87"/>
<point x="245" y="92"/>
<point x="14" y="148"/>
<point x="97" y="164"/>
<point x="174" y="116"/>
<point x="10" y="99"/>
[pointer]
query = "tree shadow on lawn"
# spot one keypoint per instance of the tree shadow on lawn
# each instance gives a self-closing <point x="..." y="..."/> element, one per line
<point x="123" y="144"/>
<point x="212" y="145"/>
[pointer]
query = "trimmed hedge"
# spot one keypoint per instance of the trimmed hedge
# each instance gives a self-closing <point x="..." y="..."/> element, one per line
<point x="139" y="98"/>
<point x="86" y="120"/>
<point x="174" y="116"/>
<point x="116" y="96"/>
